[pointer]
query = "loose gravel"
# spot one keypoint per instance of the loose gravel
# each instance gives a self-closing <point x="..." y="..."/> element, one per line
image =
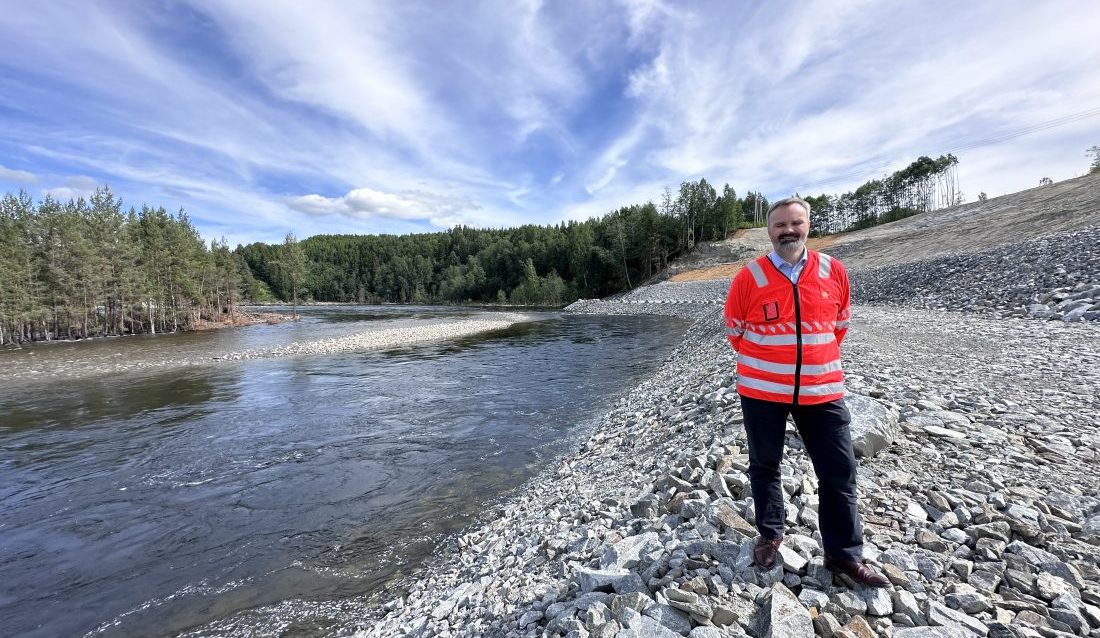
<point x="982" y="511"/>
<point x="1055" y="277"/>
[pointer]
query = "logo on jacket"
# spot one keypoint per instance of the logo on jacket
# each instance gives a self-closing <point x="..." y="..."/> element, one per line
<point x="771" y="311"/>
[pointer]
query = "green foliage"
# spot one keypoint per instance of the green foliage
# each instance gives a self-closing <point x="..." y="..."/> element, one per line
<point x="1094" y="151"/>
<point x="755" y="207"/>
<point x="293" y="268"/>
<point x="527" y="265"/>
<point x="924" y="185"/>
<point x="83" y="268"/>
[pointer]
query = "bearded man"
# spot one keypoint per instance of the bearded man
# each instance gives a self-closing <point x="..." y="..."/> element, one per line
<point x="786" y="315"/>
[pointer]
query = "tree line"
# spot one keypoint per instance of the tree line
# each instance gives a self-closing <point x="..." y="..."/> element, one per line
<point x="924" y="185"/>
<point x="530" y="265"/>
<point x="552" y="265"/>
<point x="85" y="268"/>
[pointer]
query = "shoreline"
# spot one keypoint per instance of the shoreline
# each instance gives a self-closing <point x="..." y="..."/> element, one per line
<point x="645" y="527"/>
<point x="356" y="342"/>
<point x="243" y="319"/>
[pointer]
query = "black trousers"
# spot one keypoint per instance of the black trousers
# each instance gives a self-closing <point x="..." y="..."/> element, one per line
<point x="824" y="431"/>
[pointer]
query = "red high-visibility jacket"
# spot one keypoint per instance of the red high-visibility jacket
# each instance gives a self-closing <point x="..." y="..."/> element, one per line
<point x="788" y="336"/>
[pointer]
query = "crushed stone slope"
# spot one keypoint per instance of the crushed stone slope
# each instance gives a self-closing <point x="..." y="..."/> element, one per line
<point x="1066" y="206"/>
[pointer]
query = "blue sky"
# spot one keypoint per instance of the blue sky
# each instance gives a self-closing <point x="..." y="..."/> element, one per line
<point x="267" y="117"/>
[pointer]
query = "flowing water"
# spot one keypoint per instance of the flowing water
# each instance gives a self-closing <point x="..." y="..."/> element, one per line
<point x="269" y="496"/>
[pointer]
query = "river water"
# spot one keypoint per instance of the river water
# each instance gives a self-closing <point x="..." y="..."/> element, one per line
<point x="271" y="496"/>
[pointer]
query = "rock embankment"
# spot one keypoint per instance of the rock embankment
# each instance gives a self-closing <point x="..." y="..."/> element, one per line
<point x="978" y="487"/>
<point x="1055" y="277"/>
<point x="676" y="298"/>
<point x="1052" y="277"/>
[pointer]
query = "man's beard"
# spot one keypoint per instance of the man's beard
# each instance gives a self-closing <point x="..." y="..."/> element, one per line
<point x="789" y="246"/>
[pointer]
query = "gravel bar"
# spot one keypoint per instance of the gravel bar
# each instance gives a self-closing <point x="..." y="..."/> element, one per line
<point x="385" y="338"/>
<point x="375" y="339"/>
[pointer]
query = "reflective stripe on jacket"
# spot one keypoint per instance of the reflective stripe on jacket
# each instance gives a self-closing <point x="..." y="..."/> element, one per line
<point x="788" y="335"/>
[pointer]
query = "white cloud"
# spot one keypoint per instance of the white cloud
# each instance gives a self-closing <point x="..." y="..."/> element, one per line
<point x="74" y="187"/>
<point x="609" y="174"/>
<point x="365" y="203"/>
<point x="17" y="176"/>
<point x="314" y="204"/>
<point x="338" y="59"/>
<point x="785" y="96"/>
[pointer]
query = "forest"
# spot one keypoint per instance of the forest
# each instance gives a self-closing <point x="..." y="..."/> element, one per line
<point x="85" y="268"/>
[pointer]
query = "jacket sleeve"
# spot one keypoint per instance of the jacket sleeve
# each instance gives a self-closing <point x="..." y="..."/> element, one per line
<point x="735" y="311"/>
<point x="845" y="312"/>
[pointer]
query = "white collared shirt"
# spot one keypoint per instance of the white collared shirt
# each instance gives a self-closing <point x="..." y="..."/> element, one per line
<point x="791" y="271"/>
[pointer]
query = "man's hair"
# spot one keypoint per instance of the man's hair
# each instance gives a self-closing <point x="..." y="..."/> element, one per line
<point x="788" y="200"/>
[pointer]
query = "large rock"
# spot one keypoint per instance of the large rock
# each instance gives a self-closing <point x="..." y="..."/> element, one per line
<point x="1047" y="562"/>
<point x="631" y="550"/>
<point x="639" y="626"/>
<point x="620" y="581"/>
<point x="933" y="632"/>
<point x="944" y="616"/>
<point x="874" y="426"/>
<point x="784" y="616"/>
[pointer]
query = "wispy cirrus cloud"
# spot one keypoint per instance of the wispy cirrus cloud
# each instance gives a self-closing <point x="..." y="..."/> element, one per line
<point x="262" y="118"/>
<point x="834" y="94"/>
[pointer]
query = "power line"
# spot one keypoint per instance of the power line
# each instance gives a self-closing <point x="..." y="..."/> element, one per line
<point x="1027" y="130"/>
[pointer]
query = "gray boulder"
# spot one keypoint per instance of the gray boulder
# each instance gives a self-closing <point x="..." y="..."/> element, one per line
<point x="784" y="616"/>
<point x="874" y="426"/>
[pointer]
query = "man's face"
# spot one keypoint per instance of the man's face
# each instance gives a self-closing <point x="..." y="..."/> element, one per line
<point x="788" y="227"/>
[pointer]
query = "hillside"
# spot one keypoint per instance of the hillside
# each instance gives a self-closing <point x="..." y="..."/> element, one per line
<point x="978" y="226"/>
<point x="1066" y="206"/>
<point x="1030" y="254"/>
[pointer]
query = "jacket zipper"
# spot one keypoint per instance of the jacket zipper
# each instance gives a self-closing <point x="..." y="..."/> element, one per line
<point x="797" y="331"/>
<point x="798" y="342"/>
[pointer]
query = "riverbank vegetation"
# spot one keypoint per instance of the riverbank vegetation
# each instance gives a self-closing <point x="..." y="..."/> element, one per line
<point x="552" y="265"/>
<point x="85" y="268"/>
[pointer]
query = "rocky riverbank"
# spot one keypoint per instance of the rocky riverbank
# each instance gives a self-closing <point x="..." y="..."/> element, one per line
<point x="1054" y="277"/>
<point x="978" y="487"/>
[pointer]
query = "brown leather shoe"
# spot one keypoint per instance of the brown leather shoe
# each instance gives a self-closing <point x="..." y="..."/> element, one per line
<point x="857" y="571"/>
<point x="765" y="551"/>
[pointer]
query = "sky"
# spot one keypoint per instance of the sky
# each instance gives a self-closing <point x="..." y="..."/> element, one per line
<point x="267" y="117"/>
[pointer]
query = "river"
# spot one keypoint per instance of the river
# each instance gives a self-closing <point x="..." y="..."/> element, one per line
<point x="272" y="496"/>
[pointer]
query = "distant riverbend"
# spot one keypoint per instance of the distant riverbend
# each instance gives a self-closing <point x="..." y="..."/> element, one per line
<point x="149" y="487"/>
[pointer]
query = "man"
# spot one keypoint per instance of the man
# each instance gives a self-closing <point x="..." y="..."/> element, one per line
<point x="786" y="315"/>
